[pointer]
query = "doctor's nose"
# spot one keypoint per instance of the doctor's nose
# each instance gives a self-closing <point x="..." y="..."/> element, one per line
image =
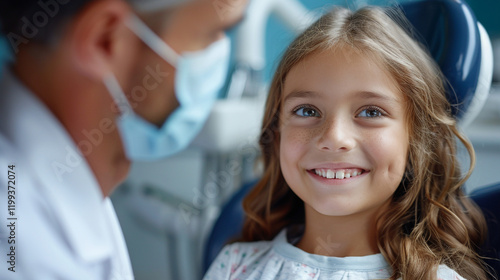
<point x="336" y="135"/>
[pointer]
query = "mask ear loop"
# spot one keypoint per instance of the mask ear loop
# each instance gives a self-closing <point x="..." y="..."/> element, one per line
<point x="118" y="95"/>
<point x="150" y="38"/>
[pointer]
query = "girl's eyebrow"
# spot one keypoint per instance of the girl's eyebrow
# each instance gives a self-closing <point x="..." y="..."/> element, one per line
<point x="362" y="94"/>
<point x="300" y="94"/>
<point x="376" y="95"/>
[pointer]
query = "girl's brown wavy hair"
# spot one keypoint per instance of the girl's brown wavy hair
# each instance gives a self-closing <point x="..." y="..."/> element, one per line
<point x="430" y="221"/>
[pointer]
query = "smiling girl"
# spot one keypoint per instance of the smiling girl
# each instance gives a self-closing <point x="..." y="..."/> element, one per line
<point x="361" y="180"/>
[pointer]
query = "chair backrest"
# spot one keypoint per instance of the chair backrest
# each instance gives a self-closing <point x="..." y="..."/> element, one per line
<point x="462" y="49"/>
<point x="460" y="46"/>
<point x="488" y="199"/>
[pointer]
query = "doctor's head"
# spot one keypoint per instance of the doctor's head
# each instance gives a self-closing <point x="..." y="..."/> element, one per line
<point x="357" y="121"/>
<point x="134" y="71"/>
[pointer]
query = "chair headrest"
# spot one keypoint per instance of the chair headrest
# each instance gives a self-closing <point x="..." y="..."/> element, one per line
<point x="450" y="31"/>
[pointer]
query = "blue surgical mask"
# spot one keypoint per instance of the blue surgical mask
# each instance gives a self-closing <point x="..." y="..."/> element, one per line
<point x="199" y="78"/>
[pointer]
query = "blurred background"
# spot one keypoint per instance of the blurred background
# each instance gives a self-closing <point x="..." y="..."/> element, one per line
<point x="167" y="208"/>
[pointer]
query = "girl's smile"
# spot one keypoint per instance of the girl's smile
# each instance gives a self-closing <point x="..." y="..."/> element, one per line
<point x="337" y="173"/>
<point x="336" y="177"/>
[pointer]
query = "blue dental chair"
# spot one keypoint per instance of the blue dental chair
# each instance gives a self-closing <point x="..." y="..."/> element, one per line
<point x="488" y="199"/>
<point x="461" y="47"/>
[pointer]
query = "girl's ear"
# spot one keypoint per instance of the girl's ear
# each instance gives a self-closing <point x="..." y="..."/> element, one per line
<point x="97" y="36"/>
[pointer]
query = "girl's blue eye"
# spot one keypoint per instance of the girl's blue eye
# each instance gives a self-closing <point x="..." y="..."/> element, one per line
<point x="306" y="112"/>
<point x="370" y="113"/>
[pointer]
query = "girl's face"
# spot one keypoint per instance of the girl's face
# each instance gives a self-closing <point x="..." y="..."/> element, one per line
<point x="344" y="139"/>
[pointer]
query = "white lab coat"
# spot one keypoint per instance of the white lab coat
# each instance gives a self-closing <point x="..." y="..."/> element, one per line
<point x="65" y="228"/>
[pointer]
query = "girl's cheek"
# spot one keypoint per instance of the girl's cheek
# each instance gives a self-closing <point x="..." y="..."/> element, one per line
<point x="296" y="137"/>
<point x="389" y="149"/>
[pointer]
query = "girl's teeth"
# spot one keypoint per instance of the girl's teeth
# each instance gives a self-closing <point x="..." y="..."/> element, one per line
<point x="341" y="174"/>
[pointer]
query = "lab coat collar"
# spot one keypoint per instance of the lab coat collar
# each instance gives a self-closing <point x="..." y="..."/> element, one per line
<point x="61" y="171"/>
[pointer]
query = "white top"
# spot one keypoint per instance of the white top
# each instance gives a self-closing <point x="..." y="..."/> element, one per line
<point x="279" y="259"/>
<point x="63" y="226"/>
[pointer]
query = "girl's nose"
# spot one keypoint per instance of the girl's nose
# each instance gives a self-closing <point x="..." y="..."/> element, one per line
<point x="336" y="135"/>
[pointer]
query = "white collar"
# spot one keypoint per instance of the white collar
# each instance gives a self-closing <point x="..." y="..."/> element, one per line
<point x="45" y="145"/>
<point x="283" y="247"/>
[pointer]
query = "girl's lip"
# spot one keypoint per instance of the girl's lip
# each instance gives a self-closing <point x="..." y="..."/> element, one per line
<point x="338" y="165"/>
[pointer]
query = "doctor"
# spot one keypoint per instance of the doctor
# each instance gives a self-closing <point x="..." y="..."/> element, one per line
<point x="95" y="85"/>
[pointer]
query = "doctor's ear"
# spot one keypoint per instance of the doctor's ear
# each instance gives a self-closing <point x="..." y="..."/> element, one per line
<point x="98" y="38"/>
